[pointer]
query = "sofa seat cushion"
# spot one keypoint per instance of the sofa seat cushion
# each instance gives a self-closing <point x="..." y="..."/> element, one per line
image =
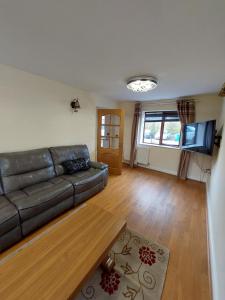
<point x="9" y="217"/>
<point x="35" y="199"/>
<point x="84" y="180"/>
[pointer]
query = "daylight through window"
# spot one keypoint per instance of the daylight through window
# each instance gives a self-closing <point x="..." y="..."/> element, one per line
<point x="162" y="128"/>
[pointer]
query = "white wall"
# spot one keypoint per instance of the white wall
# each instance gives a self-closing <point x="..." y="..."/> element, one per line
<point x="216" y="217"/>
<point x="35" y="112"/>
<point x="167" y="159"/>
<point x="103" y="102"/>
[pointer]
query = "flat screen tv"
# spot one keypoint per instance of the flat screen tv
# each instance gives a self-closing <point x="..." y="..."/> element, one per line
<point x="199" y="137"/>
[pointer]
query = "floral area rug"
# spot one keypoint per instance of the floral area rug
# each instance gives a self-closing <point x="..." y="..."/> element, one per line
<point x="139" y="272"/>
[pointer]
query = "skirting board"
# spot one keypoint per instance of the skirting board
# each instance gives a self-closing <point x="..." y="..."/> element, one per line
<point x="161" y="170"/>
<point x="171" y="172"/>
<point x="153" y="168"/>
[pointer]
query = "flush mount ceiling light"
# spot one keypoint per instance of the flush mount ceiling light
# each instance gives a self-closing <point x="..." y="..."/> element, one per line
<point x="142" y="83"/>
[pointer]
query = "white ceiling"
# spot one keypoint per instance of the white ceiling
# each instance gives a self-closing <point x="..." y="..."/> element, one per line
<point x="96" y="44"/>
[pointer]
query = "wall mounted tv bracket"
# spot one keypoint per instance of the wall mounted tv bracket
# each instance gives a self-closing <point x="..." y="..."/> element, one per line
<point x="217" y="139"/>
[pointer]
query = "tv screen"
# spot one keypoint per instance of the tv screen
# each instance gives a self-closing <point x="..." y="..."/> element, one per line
<point x="199" y="137"/>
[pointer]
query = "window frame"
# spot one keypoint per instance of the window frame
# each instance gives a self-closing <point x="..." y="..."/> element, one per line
<point x="163" y="121"/>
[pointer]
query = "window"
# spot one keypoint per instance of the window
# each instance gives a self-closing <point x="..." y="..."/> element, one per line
<point x="161" y="128"/>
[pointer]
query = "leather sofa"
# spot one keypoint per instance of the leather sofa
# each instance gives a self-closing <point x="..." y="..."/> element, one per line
<point x="35" y="188"/>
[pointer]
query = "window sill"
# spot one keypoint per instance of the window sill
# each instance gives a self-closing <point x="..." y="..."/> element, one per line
<point x="160" y="146"/>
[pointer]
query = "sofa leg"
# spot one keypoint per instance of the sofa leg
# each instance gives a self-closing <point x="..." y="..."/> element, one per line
<point x="108" y="264"/>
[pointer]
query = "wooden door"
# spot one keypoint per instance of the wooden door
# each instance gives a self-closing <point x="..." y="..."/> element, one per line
<point x="110" y="138"/>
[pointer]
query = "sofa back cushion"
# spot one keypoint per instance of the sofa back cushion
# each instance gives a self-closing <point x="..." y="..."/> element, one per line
<point x="73" y="166"/>
<point x="21" y="169"/>
<point x="65" y="153"/>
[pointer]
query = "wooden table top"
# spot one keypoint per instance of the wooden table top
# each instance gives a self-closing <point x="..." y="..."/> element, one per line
<point x="57" y="263"/>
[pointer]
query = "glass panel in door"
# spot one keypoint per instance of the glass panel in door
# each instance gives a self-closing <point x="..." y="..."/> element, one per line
<point x="106" y="119"/>
<point x="115" y="131"/>
<point x="105" y="143"/>
<point x="114" y="143"/>
<point x="115" y="120"/>
<point x="105" y="131"/>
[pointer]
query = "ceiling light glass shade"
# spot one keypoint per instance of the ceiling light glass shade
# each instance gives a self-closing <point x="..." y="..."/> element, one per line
<point x="142" y="83"/>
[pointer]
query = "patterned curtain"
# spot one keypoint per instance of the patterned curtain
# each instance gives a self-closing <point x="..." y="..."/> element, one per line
<point x="133" y="148"/>
<point x="186" y="112"/>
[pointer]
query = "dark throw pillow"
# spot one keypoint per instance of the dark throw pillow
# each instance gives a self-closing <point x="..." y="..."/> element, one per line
<point x="73" y="166"/>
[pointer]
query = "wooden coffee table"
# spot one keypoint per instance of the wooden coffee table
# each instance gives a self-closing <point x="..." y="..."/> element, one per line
<point x="56" y="263"/>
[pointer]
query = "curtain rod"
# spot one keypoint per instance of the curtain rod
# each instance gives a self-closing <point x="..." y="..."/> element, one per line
<point x="162" y="102"/>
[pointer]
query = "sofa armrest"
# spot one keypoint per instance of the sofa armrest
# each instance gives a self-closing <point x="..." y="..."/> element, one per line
<point x="98" y="165"/>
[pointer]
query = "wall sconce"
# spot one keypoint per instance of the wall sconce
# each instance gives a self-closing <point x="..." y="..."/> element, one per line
<point x="75" y="105"/>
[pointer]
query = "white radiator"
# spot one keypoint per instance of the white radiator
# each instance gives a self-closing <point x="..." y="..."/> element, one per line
<point x="143" y="156"/>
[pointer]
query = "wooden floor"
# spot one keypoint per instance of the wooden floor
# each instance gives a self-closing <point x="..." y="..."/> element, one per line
<point x="171" y="212"/>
